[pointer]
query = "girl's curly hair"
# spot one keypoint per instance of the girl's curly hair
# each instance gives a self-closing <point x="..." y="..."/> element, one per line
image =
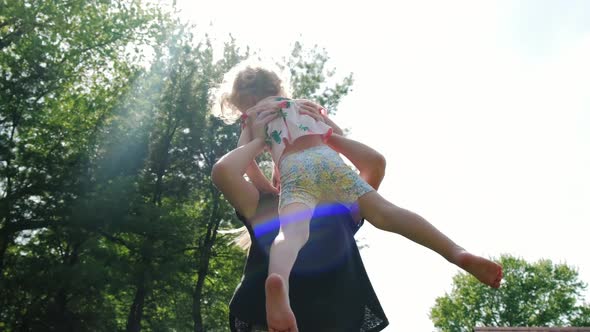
<point x="243" y="81"/>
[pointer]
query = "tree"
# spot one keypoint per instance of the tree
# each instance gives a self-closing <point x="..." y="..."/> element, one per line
<point x="311" y="79"/>
<point x="532" y="294"/>
<point x="108" y="216"/>
<point x="64" y="66"/>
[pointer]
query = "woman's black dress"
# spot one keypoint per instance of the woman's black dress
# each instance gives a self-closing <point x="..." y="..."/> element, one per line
<point x="329" y="287"/>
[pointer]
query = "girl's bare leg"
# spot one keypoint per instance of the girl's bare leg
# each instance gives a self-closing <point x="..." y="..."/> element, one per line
<point x="386" y="216"/>
<point x="293" y="235"/>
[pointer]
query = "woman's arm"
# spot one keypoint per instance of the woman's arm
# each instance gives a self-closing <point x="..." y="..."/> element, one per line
<point x="370" y="163"/>
<point x="228" y="177"/>
<point x="335" y="128"/>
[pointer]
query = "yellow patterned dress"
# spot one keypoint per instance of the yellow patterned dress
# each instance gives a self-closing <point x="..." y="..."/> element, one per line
<point x="313" y="175"/>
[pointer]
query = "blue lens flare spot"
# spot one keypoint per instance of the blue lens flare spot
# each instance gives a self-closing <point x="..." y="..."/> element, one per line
<point x="331" y="238"/>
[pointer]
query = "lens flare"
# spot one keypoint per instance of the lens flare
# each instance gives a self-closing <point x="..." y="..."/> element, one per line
<point x="330" y="242"/>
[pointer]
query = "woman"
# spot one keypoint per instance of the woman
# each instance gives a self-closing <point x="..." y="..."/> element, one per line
<point x="329" y="288"/>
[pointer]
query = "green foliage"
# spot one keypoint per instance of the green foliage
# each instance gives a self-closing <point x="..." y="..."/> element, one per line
<point x="64" y="65"/>
<point x="108" y="217"/>
<point x="311" y="79"/>
<point x="532" y="294"/>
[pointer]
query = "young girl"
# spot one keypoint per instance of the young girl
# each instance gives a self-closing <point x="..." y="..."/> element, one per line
<point x="312" y="172"/>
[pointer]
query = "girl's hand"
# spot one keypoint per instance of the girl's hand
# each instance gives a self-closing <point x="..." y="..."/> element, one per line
<point x="261" y="114"/>
<point x="255" y="123"/>
<point x="266" y="104"/>
<point x="276" y="181"/>
<point x="262" y="106"/>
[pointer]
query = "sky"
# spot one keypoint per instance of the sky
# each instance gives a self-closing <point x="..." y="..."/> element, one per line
<point x="481" y="108"/>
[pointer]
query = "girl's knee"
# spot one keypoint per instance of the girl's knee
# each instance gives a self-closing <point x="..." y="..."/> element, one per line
<point x="295" y="220"/>
<point x="377" y="210"/>
<point x="297" y="233"/>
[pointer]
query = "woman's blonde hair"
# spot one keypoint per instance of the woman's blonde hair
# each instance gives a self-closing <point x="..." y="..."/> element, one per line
<point x="247" y="79"/>
<point x="240" y="237"/>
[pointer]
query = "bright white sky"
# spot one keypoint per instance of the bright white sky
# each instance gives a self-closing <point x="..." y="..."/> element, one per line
<point x="482" y="110"/>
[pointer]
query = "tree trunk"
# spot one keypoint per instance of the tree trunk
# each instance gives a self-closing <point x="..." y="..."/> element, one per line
<point x="66" y="319"/>
<point x="64" y="322"/>
<point x="204" y="258"/>
<point x="197" y="317"/>
<point x="136" y="311"/>
<point x="5" y="234"/>
<point x="5" y="239"/>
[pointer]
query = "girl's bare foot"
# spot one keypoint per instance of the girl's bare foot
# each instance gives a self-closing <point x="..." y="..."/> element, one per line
<point x="486" y="271"/>
<point x="279" y="316"/>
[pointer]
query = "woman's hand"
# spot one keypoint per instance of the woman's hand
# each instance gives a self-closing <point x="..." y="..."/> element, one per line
<point x="258" y="119"/>
<point x="317" y="112"/>
<point x="312" y="109"/>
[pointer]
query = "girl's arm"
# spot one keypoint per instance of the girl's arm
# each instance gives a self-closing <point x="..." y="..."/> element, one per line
<point x="254" y="173"/>
<point x="228" y="172"/>
<point x="370" y="163"/>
